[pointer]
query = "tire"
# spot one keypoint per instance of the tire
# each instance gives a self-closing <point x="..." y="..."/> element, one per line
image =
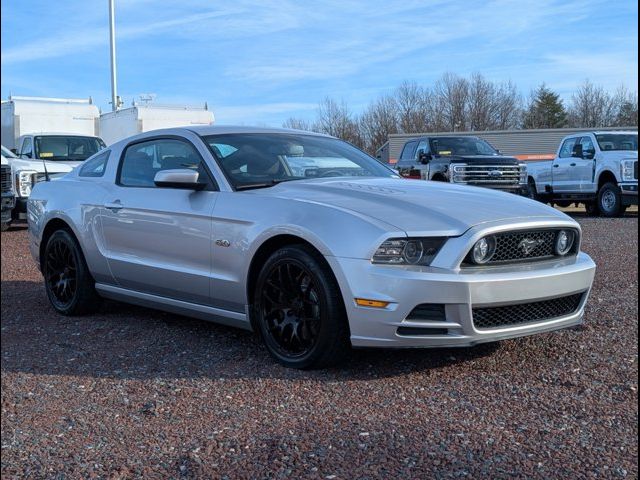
<point x="592" y="209"/>
<point x="298" y="310"/>
<point x="532" y="191"/>
<point x="609" y="200"/>
<point x="68" y="283"/>
<point x="5" y="226"/>
<point x="563" y="203"/>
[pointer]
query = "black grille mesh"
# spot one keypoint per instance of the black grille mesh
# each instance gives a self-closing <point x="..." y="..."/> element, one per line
<point x="540" y="245"/>
<point x="509" y="315"/>
<point x="6" y="178"/>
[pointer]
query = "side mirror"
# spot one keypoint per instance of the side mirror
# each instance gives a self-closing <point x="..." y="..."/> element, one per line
<point x="24" y="155"/>
<point x="183" y="178"/>
<point x="14" y="151"/>
<point x="588" y="154"/>
<point x="423" y="157"/>
<point x="577" y="151"/>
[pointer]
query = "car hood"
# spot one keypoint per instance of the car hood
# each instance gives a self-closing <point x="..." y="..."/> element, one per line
<point x="481" y="159"/>
<point x="414" y="206"/>
<point x="38" y="166"/>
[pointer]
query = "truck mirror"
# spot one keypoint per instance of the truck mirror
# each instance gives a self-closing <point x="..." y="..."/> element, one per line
<point x="423" y="157"/>
<point x="14" y="150"/>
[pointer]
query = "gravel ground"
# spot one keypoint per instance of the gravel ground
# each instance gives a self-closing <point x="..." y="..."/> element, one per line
<point x="132" y="392"/>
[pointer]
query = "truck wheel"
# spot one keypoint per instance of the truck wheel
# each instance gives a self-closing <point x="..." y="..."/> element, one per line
<point x="69" y="285"/>
<point x="592" y="209"/>
<point x="5" y="226"/>
<point x="563" y="204"/>
<point x="532" y="191"/>
<point x="609" y="201"/>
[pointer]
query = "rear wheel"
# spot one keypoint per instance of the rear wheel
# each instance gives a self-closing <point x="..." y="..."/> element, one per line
<point x="591" y="208"/>
<point x="5" y="226"/>
<point x="609" y="200"/>
<point x="67" y="280"/>
<point x="299" y="310"/>
<point x="532" y="191"/>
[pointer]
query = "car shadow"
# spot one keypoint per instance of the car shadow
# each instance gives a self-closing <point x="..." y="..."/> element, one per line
<point x="129" y="342"/>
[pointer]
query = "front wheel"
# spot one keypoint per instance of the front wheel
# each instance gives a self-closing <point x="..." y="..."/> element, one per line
<point x="592" y="209"/>
<point x="67" y="280"/>
<point x="299" y="311"/>
<point x="5" y="226"/>
<point x="609" y="200"/>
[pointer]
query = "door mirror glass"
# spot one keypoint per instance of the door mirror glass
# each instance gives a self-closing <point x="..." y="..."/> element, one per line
<point x="184" y="178"/>
<point x="423" y="157"/>
<point x="577" y="151"/>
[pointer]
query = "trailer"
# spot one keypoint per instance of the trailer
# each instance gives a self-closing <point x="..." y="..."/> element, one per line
<point x="140" y="118"/>
<point x="27" y="115"/>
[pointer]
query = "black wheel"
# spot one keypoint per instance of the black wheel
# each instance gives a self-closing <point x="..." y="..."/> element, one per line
<point x="609" y="200"/>
<point x="299" y="310"/>
<point x="592" y="209"/>
<point x="5" y="226"/>
<point x="532" y="191"/>
<point x="67" y="280"/>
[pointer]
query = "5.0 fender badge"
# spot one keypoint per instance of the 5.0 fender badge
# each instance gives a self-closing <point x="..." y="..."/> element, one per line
<point x="223" y="243"/>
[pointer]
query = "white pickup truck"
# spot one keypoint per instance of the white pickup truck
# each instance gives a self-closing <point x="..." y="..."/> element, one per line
<point x="599" y="169"/>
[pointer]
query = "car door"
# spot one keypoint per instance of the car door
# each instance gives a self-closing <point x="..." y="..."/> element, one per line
<point x="581" y="168"/>
<point x="407" y="164"/>
<point x="158" y="240"/>
<point x="561" y="166"/>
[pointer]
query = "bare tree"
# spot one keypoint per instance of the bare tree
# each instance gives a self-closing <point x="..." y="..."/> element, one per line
<point x="378" y="121"/>
<point x="626" y="108"/>
<point x="412" y="108"/>
<point x="591" y="106"/>
<point x="335" y="119"/>
<point x="297" y="124"/>
<point x="451" y="96"/>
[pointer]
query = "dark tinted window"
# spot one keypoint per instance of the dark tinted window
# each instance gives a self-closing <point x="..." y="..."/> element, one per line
<point x="143" y="160"/>
<point x="407" y="151"/>
<point x="69" y="148"/>
<point x="95" y="167"/>
<point x="618" y="141"/>
<point x="567" y="147"/>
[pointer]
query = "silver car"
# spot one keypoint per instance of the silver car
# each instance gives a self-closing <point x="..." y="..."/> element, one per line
<point x="306" y="240"/>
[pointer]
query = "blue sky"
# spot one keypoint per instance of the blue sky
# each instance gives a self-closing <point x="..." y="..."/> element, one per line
<point x="260" y="62"/>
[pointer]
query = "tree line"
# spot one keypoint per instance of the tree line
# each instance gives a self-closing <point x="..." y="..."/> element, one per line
<point x="455" y="103"/>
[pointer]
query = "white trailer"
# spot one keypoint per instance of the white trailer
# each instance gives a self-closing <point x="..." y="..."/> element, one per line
<point x="26" y="115"/>
<point x="123" y="123"/>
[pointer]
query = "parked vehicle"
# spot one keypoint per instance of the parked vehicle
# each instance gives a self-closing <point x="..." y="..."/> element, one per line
<point x="463" y="160"/>
<point x="211" y="222"/>
<point x="8" y="195"/>
<point x="67" y="148"/>
<point x="123" y="123"/>
<point x="24" y="115"/>
<point x="599" y="169"/>
<point x="25" y="173"/>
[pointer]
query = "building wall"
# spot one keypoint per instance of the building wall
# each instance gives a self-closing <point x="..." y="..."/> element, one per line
<point x="524" y="144"/>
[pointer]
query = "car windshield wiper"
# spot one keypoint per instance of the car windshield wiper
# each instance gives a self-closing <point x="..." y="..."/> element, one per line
<point x="270" y="183"/>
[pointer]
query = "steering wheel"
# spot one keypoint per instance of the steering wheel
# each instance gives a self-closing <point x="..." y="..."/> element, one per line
<point x="332" y="173"/>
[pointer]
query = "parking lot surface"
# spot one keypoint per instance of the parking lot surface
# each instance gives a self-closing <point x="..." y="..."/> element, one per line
<point x="132" y="392"/>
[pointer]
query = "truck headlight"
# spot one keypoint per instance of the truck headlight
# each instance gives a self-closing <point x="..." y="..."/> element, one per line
<point x="523" y="173"/>
<point x="24" y="182"/>
<point x="408" y="251"/>
<point x="627" y="169"/>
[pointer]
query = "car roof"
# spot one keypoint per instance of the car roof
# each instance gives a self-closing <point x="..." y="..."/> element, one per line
<point x="57" y="134"/>
<point x="225" y="129"/>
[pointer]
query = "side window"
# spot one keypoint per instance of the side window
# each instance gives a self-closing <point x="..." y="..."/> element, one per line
<point x="424" y="146"/>
<point x="27" y="148"/>
<point x="588" y="147"/>
<point x="95" y="167"/>
<point x="141" y="161"/>
<point x="407" y="152"/>
<point x="567" y="147"/>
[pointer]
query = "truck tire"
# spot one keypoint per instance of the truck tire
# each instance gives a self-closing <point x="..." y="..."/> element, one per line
<point x="532" y="191"/>
<point x="609" y="200"/>
<point x="5" y="226"/>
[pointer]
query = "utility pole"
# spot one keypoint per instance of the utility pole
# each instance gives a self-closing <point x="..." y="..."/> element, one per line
<point x="115" y="100"/>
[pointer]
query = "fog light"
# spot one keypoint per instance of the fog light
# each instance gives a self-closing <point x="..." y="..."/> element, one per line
<point x="564" y="242"/>
<point x="483" y="250"/>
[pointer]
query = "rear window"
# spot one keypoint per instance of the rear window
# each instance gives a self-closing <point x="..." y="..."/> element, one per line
<point x="407" y="151"/>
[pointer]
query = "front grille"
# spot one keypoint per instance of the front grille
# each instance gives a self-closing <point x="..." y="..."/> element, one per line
<point x="6" y="179"/>
<point x="635" y="170"/>
<point x="527" y="245"/>
<point x="498" y="175"/>
<point x="428" y="312"/>
<point x="510" y="315"/>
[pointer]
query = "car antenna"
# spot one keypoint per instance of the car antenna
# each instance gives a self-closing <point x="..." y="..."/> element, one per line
<point x="46" y="172"/>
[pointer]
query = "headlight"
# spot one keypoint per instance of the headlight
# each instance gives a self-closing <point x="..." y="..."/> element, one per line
<point x="408" y="251"/>
<point x="523" y="173"/>
<point x="483" y="250"/>
<point x="564" y="242"/>
<point x="24" y="182"/>
<point x="627" y="169"/>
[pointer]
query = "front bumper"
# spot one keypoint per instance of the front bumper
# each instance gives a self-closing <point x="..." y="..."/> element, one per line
<point x="8" y="204"/>
<point x="629" y="192"/>
<point x="459" y="291"/>
<point x="20" y="211"/>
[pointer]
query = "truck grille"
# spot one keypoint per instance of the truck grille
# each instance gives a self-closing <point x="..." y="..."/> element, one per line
<point x="498" y="175"/>
<point x="526" y="246"/>
<point x="635" y="170"/>
<point x="6" y="178"/>
<point x="510" y="315"/>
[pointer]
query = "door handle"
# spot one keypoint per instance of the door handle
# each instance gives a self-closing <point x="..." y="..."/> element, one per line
<point x="555" y="165"/>
<point x="114" y="206"/>
<point x="573" y="164"/>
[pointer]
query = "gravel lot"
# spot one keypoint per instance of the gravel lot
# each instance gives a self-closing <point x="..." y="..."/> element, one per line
<point x="133" y="392"/>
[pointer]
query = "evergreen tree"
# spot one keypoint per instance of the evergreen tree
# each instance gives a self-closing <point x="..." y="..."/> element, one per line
<point x="545" y="110"/>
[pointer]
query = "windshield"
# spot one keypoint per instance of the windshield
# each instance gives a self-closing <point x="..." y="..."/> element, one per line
<point x="70" y="148"/>
<point x="461" y="146"/>
<point x="612" y="141"/>
<point x="6" y="153"/>
<point x="254" y="160"/>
